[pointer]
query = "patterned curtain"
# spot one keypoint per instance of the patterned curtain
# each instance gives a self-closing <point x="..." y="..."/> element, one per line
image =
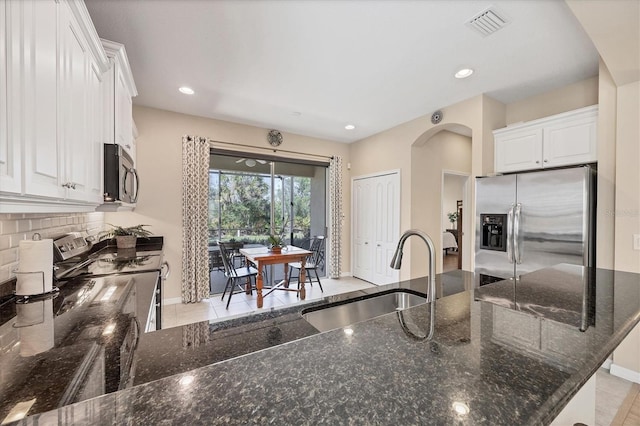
<point x="194" y="335"/>
<point x="195" y="216"/>
<point x="335" y="216"/>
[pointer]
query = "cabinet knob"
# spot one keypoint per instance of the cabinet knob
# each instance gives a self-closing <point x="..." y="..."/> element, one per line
<point x="537" y="161"/>
<point x="546" y="161"/>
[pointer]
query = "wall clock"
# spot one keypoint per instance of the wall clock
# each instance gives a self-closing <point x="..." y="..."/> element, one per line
<point x="274" y="138"/>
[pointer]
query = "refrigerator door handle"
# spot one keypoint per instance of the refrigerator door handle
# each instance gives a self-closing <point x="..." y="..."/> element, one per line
<point x="510" y="234"/>
<point x="516" y="234"/>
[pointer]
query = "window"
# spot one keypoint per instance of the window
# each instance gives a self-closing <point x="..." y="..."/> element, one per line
<point x="249" y="194"/>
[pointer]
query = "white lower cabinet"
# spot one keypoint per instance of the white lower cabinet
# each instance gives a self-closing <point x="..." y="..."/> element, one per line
<point x="376" y="226"/>
<point x="560" y="140"/>
<point x="49" y="157"/>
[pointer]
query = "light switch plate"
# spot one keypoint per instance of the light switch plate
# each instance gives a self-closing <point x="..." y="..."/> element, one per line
<point x="636" y="241"/>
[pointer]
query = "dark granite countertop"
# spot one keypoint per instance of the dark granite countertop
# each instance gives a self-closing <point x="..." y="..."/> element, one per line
<point x="483" y="354"/>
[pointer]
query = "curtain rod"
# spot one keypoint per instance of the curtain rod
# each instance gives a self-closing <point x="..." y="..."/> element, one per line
<point x="330" y="157"/>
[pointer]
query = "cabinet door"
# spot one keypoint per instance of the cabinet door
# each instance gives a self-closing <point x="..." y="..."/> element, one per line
<point x="386" y="230"/>
<point x="95" y="140"/>
<point x="518" y="150"/>
<point x="376" y="227"/>
<point x="37" y="71"/>
<point x="123" y="113"/>
<point x="570" y="142"/>
<point x="362" y="228"/>
<point x="74" y="78"/>
<point x="10" y="179"/>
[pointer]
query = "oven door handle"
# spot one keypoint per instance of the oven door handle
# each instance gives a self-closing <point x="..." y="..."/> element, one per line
<point x="165" y="276"/>
<point x="134" y="197"/>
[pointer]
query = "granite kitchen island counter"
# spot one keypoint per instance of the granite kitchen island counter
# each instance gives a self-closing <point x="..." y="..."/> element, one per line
<point x="490" y="353"/>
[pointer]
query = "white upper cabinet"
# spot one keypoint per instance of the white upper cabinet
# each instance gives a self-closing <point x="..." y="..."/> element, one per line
<point x="518" y="150"/>
<point x="34" y="74"/>
<point x="559" y="140"/>
<point x="120" y="88"/>
<point x="50" y="151"/>
<point x="73" y="128"/>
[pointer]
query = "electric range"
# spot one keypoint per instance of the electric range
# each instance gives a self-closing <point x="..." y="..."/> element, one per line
<point x="76" y="256"/>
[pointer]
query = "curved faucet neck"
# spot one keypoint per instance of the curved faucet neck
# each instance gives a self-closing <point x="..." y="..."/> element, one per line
<point x="397" y="258"/>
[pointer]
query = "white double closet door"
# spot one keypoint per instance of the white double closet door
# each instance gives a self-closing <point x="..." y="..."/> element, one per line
<point x="376" y="226"/>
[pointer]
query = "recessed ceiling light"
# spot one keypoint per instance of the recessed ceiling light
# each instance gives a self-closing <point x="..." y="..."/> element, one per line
<point x="186" y="90"/>
<point x="349" y="127"/>
<point x="464" y="73"/>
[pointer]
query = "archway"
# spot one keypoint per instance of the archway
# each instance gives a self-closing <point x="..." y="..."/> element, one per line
<point x="445" y="149"/>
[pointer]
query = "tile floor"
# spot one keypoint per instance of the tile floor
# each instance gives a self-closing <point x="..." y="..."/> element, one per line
<point x="610" y="393"/>
<point x="242" y="304"/>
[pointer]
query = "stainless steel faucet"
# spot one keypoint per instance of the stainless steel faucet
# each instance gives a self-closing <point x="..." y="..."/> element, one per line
<point x="396" y="262"/>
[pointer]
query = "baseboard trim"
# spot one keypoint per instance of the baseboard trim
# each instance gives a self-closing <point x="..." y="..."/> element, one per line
<point x="625" y="373"/>
<point x="607" y="364"/>
<point x="345" y="274"/>
<point x="172" y="301"/>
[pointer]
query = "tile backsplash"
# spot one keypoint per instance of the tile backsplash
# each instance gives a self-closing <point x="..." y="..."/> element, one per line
<point x="21" y="226"/>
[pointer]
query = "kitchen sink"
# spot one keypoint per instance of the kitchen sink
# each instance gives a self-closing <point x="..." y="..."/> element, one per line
<point x="351" y="311"/>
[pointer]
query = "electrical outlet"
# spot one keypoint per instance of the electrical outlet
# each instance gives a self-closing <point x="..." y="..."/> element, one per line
<point x="636" y="241"/>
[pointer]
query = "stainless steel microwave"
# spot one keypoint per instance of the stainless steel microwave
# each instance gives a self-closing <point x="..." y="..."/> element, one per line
<point x="121" y="182"/>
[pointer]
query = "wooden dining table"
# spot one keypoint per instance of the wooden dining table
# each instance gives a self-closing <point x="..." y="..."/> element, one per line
<point x="262" y="256"/>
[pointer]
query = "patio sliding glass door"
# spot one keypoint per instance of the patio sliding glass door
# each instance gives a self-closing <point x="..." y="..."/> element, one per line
<point x="249" y="196"/>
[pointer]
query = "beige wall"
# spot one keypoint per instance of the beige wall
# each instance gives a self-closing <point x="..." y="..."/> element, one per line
<point x="627" y="210"/>
<point x="402" y="147"/>
<point x="392" y="149"/>
<point x="605" y="229"/>
<point x="159" y="163"/>
<point x="445" y="151"/>
<point x="614" y="28"/>
<point x="581" y="94"/>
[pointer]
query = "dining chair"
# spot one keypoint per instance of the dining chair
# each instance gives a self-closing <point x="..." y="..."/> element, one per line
<point x="312" y="264"/>
<point x="235" y="276"/>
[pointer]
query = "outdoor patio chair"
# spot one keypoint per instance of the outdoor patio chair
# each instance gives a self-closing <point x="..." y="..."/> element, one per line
<point x="313" y="262"/>
<point x="235" y="276"/>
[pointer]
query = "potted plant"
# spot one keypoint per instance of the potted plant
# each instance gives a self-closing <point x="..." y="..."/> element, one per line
<point x="453" y="217"/>
<point x="276" y="243"/>
<point x="125" y="237"/>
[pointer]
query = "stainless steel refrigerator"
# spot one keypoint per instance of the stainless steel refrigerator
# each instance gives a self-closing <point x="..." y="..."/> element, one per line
<point x="530" y="221"/>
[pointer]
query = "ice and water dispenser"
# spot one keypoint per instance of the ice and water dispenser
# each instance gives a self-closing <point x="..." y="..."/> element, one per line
<point x="494" y="232"/>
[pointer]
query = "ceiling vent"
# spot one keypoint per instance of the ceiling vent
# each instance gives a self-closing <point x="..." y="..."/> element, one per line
<point x="487" y="22"/>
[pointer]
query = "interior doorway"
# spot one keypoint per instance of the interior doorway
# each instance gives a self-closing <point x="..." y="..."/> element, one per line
<point x="454" y="219"/>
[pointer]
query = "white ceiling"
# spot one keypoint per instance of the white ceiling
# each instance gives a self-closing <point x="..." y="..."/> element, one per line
<point x="310" y="67"/>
